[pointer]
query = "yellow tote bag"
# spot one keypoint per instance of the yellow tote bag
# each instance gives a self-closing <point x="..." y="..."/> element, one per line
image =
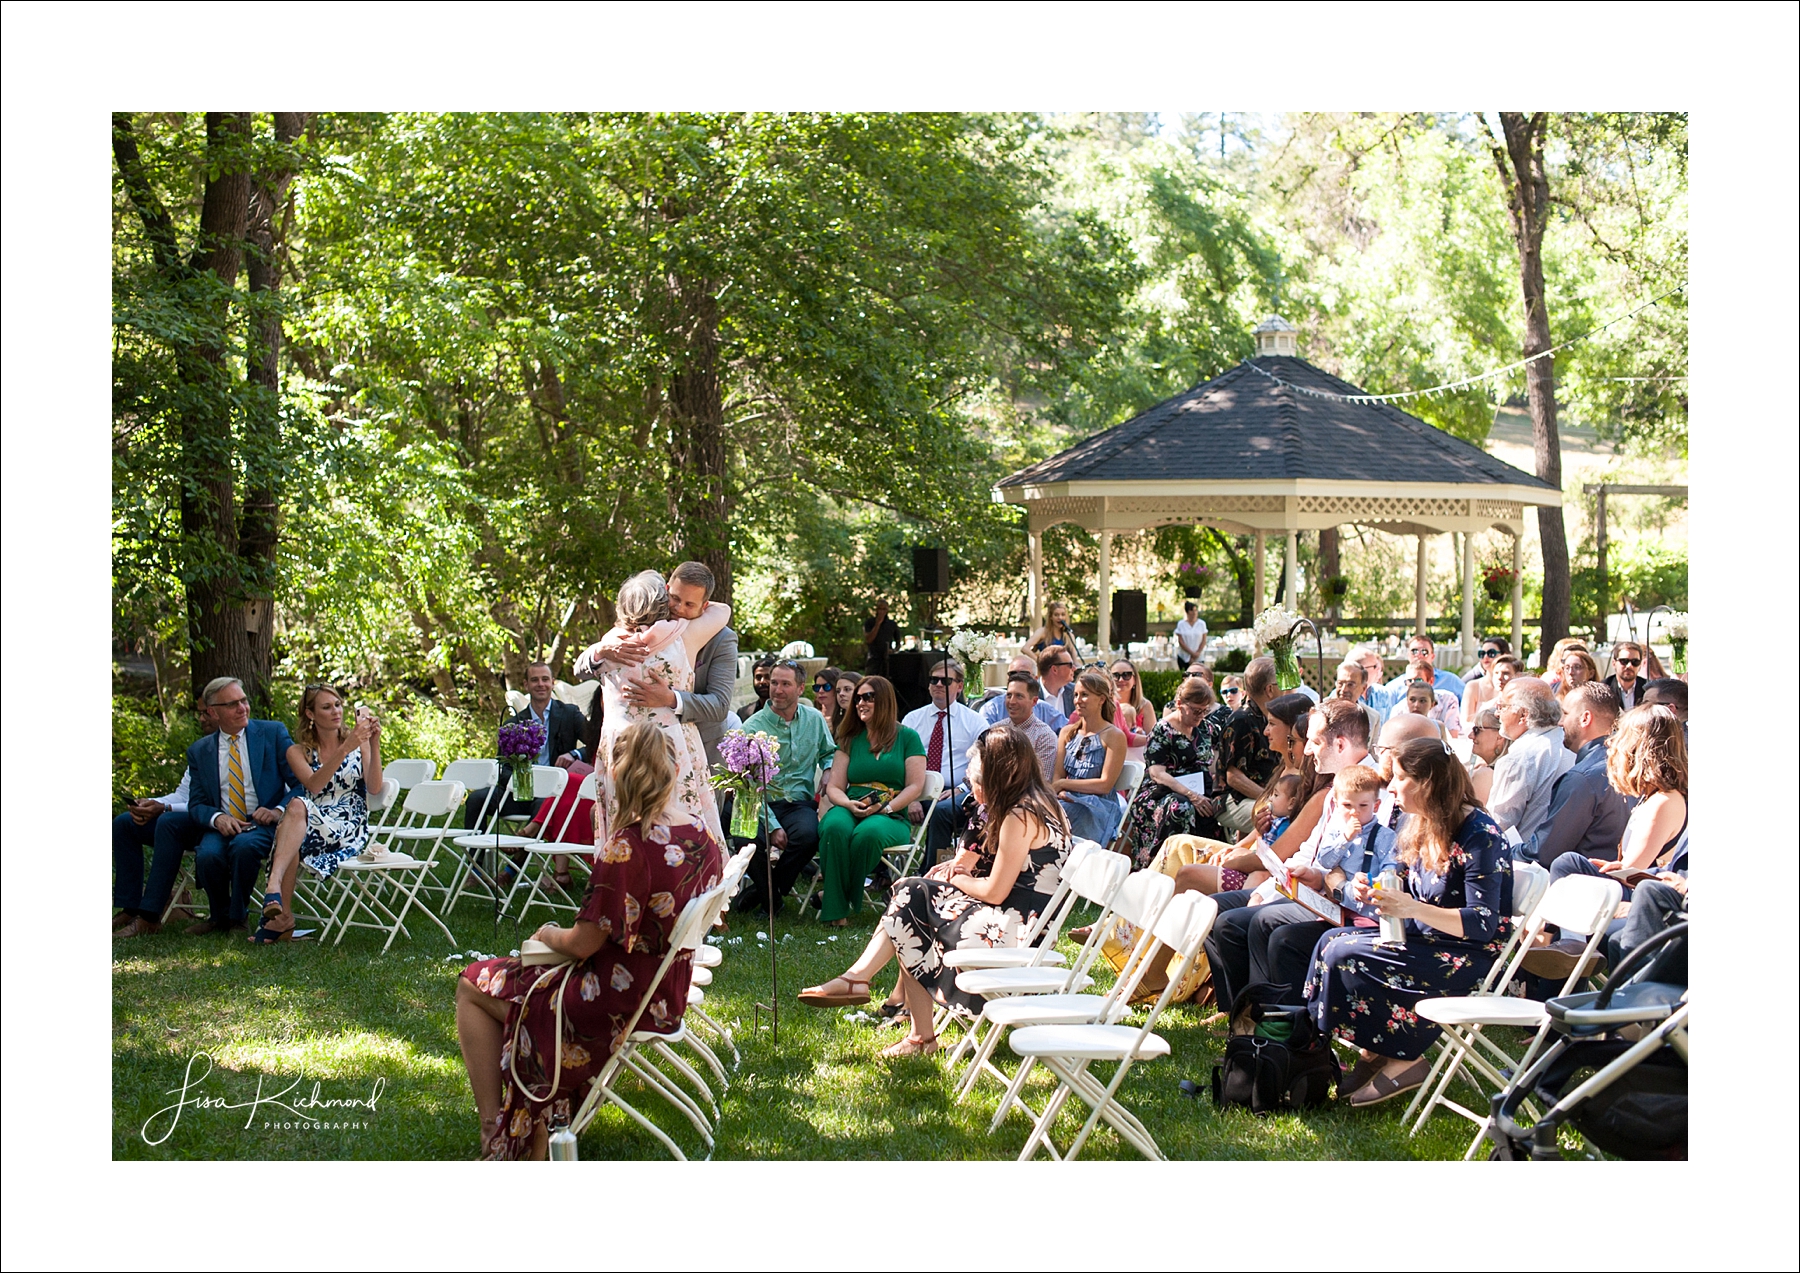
<point x="1176" y="852"/>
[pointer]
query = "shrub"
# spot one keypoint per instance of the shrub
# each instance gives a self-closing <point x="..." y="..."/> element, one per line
<point x="148" y="758"/>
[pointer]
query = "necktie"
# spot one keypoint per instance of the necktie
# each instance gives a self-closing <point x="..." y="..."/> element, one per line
<point x="934" y="754"/>
<point x="234" y="777"/>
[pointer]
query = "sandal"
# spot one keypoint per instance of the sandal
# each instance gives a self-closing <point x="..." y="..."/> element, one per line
<point x="891" y="1010"/>
<point x="271" y="906"/>
<point x="911" y="1046"/>
<point x="1382" y="1088"/>
<point x="824" y="997"/>
<point x="564" y="880"/>
<point x="266" y="936"/>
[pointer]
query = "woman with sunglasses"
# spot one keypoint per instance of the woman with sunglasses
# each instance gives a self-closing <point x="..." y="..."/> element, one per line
<point x="1486" y="745"/>
<point x="1479" y="691"/>
<point x="1136" y="715"/>
<point x="882" y="771"/>
<point x="824" y="692"/>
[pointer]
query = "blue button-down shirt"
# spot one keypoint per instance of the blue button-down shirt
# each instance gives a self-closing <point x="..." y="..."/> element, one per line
<point x="543" y="756"/>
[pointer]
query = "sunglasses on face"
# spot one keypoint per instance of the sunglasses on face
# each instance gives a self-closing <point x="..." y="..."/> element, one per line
<point x="822" y="688"/>
<point x="1628" y="662"/>
<point x="1490" y="654"/>
<point x="865" y="698"/>
<point x="1231" y="693"/>
<point x="1121" y="676"/>
<point x="942" y="680"/>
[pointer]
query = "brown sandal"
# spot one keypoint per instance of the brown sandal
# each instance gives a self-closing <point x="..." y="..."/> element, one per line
<point x="911" y="1046"/>
<point x="1382" y="1088"/>
<point x="822" y="996"/>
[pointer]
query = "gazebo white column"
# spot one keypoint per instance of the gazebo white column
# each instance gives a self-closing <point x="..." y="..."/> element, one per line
<point x="1518" y="595"/>
<point x="1034" y="603"/>
<point x="1468" y="598"/>
<point x="1419" y="589"/>
<point x="1103" y="637"/>
<point x="1262" y="552"/>
<point x="1291" y="573"/>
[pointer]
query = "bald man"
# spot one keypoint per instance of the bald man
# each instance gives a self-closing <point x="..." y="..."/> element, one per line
<point x="1400" y="729"/>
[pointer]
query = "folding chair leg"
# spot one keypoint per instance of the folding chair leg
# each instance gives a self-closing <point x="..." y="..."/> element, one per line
<point x="1012" y="1094"/>
<point x="719" y="1030"/>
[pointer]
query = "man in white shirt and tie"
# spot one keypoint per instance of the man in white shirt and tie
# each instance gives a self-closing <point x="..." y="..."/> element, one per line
<point x="949" y="730"/>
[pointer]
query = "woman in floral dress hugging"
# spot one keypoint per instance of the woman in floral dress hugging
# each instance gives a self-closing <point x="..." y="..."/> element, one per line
<point x="987" y="898"/>
<point x="656" y="859"/>
<point x="329" y="824"/>
<point x="1456" y="902"/>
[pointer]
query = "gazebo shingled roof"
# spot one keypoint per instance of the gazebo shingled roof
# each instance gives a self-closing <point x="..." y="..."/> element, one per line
<point x="1247" y="453"/>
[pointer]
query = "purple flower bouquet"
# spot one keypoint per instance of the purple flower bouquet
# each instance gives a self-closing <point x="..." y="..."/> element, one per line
<point x="520" y="742"/>
<point x="747" y="764"/>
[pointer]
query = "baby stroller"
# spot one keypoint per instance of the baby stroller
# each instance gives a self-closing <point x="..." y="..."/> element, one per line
<point x="1632" y="1035"/>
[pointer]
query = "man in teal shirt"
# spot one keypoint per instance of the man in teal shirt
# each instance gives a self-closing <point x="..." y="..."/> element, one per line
<point x="806" y="744"/>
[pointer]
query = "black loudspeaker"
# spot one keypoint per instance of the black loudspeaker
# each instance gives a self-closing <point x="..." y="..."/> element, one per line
<point x="906" y="669"/>
<point x="1130" y="614"/>
<point x="931" y="570"/>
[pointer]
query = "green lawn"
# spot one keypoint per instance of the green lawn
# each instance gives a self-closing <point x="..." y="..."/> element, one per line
<point x="349" y="1015"/>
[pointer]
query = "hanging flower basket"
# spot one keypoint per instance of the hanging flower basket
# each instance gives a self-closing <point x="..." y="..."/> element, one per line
<point x="1192" y="577"/>
<point x="1336" y="588"/>
<point x="1497" y="581"/>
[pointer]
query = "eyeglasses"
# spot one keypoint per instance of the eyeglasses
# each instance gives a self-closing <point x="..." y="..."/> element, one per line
<point x="1487" y="653"/>
<point x="1629" y="662"/>
<point x="866" y="698"/>
<point x="236" y="702"/>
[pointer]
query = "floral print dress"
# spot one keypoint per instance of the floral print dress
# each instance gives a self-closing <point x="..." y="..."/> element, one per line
<point x="337" y="819"/>
<point x="1370" y="992"/>
<point x="640" y="883"/>
<point x="693" y="787"/>
<point x="927" y="917"/>
<point x="1157" y="813"/>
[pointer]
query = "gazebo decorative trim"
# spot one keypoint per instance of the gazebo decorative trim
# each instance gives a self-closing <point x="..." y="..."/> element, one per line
<point x="1248" y="455"/>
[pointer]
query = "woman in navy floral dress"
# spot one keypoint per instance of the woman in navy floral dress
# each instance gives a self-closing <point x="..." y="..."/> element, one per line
<point x="1457" y="906"/>
<point x="654" y="862"/>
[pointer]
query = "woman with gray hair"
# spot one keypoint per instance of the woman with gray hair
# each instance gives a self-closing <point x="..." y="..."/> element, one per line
<point x="642" y="609"/>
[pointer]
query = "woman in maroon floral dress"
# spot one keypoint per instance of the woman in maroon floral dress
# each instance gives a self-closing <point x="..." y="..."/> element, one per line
<point x="651" y="867"/>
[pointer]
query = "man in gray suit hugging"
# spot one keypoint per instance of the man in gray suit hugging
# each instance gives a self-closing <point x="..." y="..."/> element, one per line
<point x="715" y="670"/>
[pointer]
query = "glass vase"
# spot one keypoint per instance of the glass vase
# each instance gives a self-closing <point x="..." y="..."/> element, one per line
<point x="523" y="787"/>
<point x="1287" y="664"/>
<point x="745" y="814"/>
<point x="1678" y="656"/>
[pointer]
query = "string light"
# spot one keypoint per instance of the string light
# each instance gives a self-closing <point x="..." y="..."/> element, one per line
<point x="1452" y="387"/>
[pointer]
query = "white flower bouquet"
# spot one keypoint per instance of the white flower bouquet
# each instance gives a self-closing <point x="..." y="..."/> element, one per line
<point x="1678" y="640"/>
<point x="972" y="649"/>
<point x="1274" y="633"/>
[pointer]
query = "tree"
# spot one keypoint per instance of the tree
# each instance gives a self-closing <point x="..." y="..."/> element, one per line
<point x="1519" y="159"/>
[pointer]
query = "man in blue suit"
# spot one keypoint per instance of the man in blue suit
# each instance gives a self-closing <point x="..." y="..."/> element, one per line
<point x="239" y="784"/>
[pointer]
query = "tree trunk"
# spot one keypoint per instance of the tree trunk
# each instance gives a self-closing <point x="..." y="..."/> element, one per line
<point x="1242" y="575"/>
<point x="1329" y="570"/>
<point x="265" y="235"/>
<point x="1527" y="185"/>
<point x="697" y="420"/>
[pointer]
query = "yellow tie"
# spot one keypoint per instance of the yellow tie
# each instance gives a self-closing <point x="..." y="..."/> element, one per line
<point x="234" y="774"/>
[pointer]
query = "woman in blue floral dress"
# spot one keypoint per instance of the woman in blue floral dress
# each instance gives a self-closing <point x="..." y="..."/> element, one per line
<point x="1457" y="906"/>
<point x="329" y="824"/>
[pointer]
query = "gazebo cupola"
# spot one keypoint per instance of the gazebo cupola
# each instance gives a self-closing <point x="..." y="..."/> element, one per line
<point x="1274" y="445"/>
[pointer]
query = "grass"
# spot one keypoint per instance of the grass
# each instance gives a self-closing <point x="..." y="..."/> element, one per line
<point x="347" y="1016"/>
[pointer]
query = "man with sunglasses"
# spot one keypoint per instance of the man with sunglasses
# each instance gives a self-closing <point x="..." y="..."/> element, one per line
<point x="806" y="744"/>
<point x="1056" y="670"/>
<point x="949" y="730"/>
<point x="1421" y="647"/>
<point x="1628" y="658"/>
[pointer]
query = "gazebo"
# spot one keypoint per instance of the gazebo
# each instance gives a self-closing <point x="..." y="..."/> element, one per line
<point x="1252" y="451"/>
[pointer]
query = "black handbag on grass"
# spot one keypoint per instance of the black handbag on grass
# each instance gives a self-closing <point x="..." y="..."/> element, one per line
<point x="1275" y="1058"/>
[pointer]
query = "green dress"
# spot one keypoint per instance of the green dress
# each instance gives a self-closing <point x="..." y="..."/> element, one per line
<point x="849" y="849"/>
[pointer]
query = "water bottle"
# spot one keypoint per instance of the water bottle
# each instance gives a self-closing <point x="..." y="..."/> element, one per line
<point x="1393" y="928"/>
<point x="562" y="1144"/>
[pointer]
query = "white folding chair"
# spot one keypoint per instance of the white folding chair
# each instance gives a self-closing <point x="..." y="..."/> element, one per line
<point x="362" y="887"/>
<point x="1581" y="904"/>
<point x="1036" y="947"/>
<point x="405" y="774"/>
<point x="690" y="930"/>
<point x="1131" y="777"/>
<point x="1138" y="902"/>
<point x="903" y="859"/>
<point x="547" y="783"/>
<point x="1068" y="1050"/>
<point x="313" y="894"/>
<point x="1095" y="879"/>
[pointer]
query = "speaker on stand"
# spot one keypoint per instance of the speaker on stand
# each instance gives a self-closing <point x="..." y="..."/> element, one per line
<point x="1130" y="616"/>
